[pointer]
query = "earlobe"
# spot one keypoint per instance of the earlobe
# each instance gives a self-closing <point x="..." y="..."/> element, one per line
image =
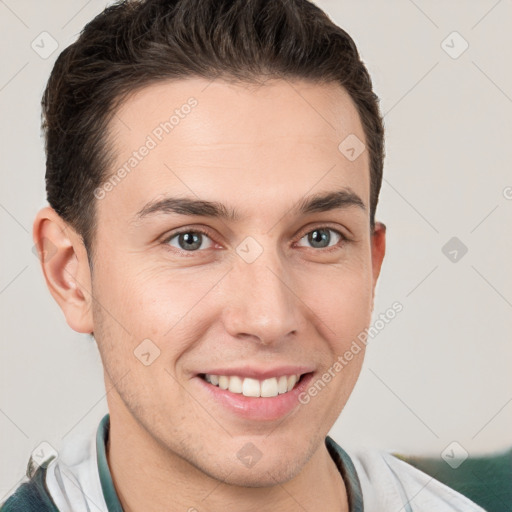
<point x="65" y="268"/>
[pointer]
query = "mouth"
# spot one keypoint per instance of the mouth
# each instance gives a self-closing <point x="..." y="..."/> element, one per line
<point x="255" y="388"/>
<point x="252" y="394"/>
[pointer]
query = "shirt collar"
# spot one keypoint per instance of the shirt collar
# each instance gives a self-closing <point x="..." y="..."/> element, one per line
<point x="107" y="485"/>
<point x="349" y="474"/>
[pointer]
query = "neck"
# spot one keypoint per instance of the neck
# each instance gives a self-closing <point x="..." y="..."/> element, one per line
<point x="150" y="478"/>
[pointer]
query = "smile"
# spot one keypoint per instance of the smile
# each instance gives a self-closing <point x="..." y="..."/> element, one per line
<point x="247" y="386"/>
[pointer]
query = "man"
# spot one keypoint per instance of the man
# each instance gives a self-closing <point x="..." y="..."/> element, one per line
<point x="213" y="171"/>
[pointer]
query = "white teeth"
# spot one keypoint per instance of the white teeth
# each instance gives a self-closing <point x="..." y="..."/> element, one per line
<point x="269" y="387"/>
<point x="235" y="384"/>
<point x="282" y="384"/>
<point x="253" y="387"/>
<point x="292" y="380"/>
<point x="223" y="382"/>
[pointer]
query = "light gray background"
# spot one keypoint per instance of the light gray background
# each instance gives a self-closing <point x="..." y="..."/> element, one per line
<point x="441" y="370"/>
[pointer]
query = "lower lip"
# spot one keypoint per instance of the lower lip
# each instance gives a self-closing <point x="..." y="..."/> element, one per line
<point x="257" y="408"/>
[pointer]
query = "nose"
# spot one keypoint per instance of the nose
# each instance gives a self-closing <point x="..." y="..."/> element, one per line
<point x="260" y="301"/>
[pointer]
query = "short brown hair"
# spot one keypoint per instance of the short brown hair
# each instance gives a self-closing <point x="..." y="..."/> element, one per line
<point x="135" y="43"/>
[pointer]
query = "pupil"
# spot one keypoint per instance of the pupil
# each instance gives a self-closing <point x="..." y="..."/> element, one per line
<point x="318" y="236"/>
<point x="191" y="240"/>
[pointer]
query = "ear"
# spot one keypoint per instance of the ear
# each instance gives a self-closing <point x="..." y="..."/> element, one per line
<point x="65" y="267"/>
<point x="378" y="241"/>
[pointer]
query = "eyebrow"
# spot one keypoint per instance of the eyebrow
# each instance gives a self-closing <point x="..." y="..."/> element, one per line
<point x="321" y="202"/>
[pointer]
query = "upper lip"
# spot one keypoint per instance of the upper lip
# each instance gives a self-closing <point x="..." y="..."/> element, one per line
<point x="260" y="374"/>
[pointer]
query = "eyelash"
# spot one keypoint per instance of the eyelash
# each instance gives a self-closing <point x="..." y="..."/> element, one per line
<point x="343" y="239"/>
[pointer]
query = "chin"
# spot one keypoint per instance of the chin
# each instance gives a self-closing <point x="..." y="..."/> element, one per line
<point x="264" y="476"/>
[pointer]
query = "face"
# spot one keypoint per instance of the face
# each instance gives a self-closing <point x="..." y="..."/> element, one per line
<point x="245" y="276"/>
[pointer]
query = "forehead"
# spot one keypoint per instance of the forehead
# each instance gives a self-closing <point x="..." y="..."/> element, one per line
<point x="211" y="139"/>
<point x="248" y="113"/>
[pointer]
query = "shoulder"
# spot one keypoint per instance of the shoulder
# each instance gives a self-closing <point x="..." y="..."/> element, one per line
<point x="67" y="480"/>
<point x="31" y="496"/>
<point x="387" y="479"/>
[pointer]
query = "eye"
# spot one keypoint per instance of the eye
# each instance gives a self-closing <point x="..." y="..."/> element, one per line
<point x="189" y="240"/>
<point x="320" y="238"/>
<point x="193" y="240"/>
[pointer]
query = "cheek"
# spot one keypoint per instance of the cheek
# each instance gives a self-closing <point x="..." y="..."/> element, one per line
<point x="342" y="298"/>
<point x="342" y="303"/>
<point x="168" y="306"/>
